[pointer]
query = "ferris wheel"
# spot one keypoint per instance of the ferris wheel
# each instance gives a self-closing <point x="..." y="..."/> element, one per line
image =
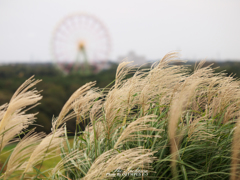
<point x="81" y="43"/>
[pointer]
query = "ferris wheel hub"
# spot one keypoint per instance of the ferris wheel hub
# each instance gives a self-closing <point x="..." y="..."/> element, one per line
<point x="81" y="45"/>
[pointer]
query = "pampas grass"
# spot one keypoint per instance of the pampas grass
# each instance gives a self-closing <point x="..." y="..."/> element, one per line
<point x="112" y="160"/>
<point x="46" y="147"/>
<point x="129" y="134"/>
<point x="165" y="121"/>
<point x="66" y="113"/>
<point x="13" y="115"/>
<point x="21" y="154"/>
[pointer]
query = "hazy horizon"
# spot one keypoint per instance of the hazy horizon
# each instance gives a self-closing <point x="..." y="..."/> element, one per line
<point x="199" y="29"/>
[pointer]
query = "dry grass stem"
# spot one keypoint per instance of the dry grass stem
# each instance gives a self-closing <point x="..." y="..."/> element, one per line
<point x="67" y="162"/>
<point x="136" y="126"/>
<point x="22" y="152"/>
<point x="111" y="160"/>
<point x="13" y="118"/>
<point x="47" y="147"/>
<point x="63" y="117"/>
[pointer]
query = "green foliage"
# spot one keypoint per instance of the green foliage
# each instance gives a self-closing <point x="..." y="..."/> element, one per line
<point x="57" y="88"/>
<point x="134" y="127"/>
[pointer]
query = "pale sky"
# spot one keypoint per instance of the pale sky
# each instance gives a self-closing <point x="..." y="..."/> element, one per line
<point x="199" y="29"/>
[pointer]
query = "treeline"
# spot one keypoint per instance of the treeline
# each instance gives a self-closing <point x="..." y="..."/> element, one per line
<point x="57" y="87"/>
<point x="229" y="67"/>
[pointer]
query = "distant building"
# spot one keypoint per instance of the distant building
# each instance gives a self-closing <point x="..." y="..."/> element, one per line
<point x="131" y="56"/>
<point x="102" y="65"/>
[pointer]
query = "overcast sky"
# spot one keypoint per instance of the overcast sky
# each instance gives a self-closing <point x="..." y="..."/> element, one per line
<point x="198" y="28"/>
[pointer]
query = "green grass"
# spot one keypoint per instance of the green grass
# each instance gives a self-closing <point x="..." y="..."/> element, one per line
<point x="47" y="164"/>
<point x="166" y="121"/>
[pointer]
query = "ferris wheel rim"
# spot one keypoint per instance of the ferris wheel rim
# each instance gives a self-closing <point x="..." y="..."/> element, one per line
<point x="94" y="19"/>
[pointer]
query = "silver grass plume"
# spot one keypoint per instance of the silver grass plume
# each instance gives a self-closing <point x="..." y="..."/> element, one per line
<point x="13" y="115"/>
<point x="66" y="113"/>
<point x="22" y="152"/>
<point x="46" y="147"/>
<point x="131" y="159"/>
<point x="138" y="125"/>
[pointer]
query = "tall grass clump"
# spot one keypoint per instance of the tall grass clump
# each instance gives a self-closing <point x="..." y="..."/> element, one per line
<point x="164" y="122"/>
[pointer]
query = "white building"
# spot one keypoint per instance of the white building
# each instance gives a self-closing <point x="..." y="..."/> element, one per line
<point x="131" y="56"/>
